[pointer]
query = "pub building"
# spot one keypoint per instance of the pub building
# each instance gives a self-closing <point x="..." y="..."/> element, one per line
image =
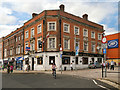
<point x="51" y="30"/>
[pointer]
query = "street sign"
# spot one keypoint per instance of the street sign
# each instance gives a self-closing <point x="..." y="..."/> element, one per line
<point x="104" y="50"/>
<point x="60" y="48"/>
<point x="60" y="55"/>
<point x="77" y="48"/>
<point x="104" y="40"/>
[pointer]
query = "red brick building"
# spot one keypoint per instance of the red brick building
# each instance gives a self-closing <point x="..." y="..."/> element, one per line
<point x="51" y="30"/>
<point x="113" y="53"/>
<point x="61" y="27"/>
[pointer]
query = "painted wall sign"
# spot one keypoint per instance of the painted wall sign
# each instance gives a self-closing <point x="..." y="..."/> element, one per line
<point x="113" y="43"/>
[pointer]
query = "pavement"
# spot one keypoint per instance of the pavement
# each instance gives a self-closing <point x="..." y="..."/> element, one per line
<point x="111" y="79"/>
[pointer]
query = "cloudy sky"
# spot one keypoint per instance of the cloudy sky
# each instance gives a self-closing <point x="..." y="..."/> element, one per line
<point x="13" y="13"/>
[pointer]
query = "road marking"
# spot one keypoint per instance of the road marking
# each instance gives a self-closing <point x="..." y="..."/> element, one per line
<point x="100" y="85"/>
<point x="94" y="81"/>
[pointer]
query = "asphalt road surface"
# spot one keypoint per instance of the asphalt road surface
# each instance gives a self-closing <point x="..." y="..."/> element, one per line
<point x="47" y="81"/>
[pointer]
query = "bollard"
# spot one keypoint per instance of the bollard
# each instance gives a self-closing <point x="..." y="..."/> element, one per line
<point x="102" y="71"/>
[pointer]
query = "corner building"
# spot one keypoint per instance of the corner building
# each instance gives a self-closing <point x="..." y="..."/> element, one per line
<point x="56" y="28"/>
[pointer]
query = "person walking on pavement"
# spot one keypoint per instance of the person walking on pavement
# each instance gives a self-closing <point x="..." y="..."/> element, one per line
<point x="11" y="68"/>
<point x="71" y="66"/>
<point x="112" y="65"/>
<point x="108" y="64"/>
<point x="8" y="68"/>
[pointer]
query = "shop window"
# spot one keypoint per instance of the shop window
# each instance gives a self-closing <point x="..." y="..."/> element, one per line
<point x="40" y="60"/>
<point x="51" y="60"/>
<point x="26" y="60"/>
<point x="85" y="60"/>
<point x="76" y="60"/>
<point x="99" y="60"/>
<point x="66" y="60"/>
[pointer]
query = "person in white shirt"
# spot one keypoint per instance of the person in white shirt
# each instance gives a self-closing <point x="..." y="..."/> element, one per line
<point x="112" y="65"/>
<point x="71" y="66"/>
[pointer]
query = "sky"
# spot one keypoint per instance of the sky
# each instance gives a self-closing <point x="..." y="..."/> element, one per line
<point x="14" y="13"/>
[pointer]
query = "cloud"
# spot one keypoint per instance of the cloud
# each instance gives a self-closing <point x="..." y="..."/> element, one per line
<point x="97" y="11"/>
<point x="109" y="31"/>
<point x="6" y="17"/>
<point x="7" y="29"/>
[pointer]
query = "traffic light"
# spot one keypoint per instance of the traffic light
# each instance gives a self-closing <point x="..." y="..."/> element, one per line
<point x="40" y="44"/>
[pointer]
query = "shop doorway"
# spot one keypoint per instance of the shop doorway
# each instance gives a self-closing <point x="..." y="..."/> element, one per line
<point x="32" y="63"/>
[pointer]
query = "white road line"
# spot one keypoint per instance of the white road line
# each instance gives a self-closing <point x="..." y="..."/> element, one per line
<point x="94" y="81"/>
<point x="100" y="85"/>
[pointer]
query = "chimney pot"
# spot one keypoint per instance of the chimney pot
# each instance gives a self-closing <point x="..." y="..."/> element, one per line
<point x="85" y="16"/>
<point x="34" y="14"/>
<point x="62" y="7"/>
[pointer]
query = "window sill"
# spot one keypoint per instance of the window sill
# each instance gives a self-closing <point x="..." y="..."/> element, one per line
<point x="66" y="32"/>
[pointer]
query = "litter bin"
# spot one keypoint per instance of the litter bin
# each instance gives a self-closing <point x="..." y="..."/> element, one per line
<point x="65" y="68"/>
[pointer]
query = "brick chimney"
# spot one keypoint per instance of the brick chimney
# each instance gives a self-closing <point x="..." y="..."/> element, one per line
<point x="61" y="7"/>
<point x="34" y="14"/>
<point x="85" y="16"/>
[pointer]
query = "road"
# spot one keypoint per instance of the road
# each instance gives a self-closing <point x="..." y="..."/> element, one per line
<point x="47" y="81"/>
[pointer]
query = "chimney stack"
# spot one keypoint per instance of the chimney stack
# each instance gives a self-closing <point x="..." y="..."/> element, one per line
<point x="85" y="16"/>
<point x="61" y="7"/>
<point x="34" y="14"/>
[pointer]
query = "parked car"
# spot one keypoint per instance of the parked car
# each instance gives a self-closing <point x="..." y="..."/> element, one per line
<point x="94" y="65"/>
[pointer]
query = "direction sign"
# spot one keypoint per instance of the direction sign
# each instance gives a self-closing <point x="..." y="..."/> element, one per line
<point x="104" y="50"/>
<point x="104" y="40"/>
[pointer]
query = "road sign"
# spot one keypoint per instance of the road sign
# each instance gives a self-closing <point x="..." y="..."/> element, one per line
<point x="60" y="55"/>
<point x="77" y="48"/>
<point x="104" y="40"/>
<point x="104" y="50"/>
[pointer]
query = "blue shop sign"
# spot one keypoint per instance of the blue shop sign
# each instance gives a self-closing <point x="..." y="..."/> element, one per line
<point x="113" y="43"/>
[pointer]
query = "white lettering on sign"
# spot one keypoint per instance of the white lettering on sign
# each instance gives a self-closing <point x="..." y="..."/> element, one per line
<point x="112" y="43"/>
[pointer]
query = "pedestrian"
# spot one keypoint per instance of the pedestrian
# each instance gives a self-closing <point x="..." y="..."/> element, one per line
<point x="11" y="68"/>
<point x="3" y="67"/>
<point x="108" y="64"/>
<point x="112" y="65"/>
<point x="71" y="66"/>
<point x="8" y="68"/>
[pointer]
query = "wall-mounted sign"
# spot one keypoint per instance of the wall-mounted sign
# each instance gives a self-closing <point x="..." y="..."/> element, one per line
<point x="113" y="43"/>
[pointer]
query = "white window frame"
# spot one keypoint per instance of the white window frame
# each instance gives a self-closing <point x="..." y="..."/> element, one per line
<point x="68" y="28"/>
<point x="48" y="23"/>
<point x="84" y="47"/>
<point x="100" y="36"/>
<point x="32" y="45"/>
<point x="11" y="51"/>
<point x="16" y="39"/>
<point x="18" y="49"/>
<point x="39" y="29"/>
<point x="74" y="30"/>
<point x="49" y="42"/>
<point x="33" y="31"/>
<point x="26" y="35"/>
<point x="87" y="32"/>
<point x="26" y="45"/>
<point x="19" y="38"/>
<point x="22" y="37"/>
<point x="93" y="44"/>
<point x="75" y="44"/>
<point x="92" y="33"/>
<point x="37" y="43"/>
<point x="67" y="44"/>
<point x="5" y="53"/>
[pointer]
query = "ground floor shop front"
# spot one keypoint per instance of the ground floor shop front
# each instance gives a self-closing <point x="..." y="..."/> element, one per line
<point x="63" y="60"/>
